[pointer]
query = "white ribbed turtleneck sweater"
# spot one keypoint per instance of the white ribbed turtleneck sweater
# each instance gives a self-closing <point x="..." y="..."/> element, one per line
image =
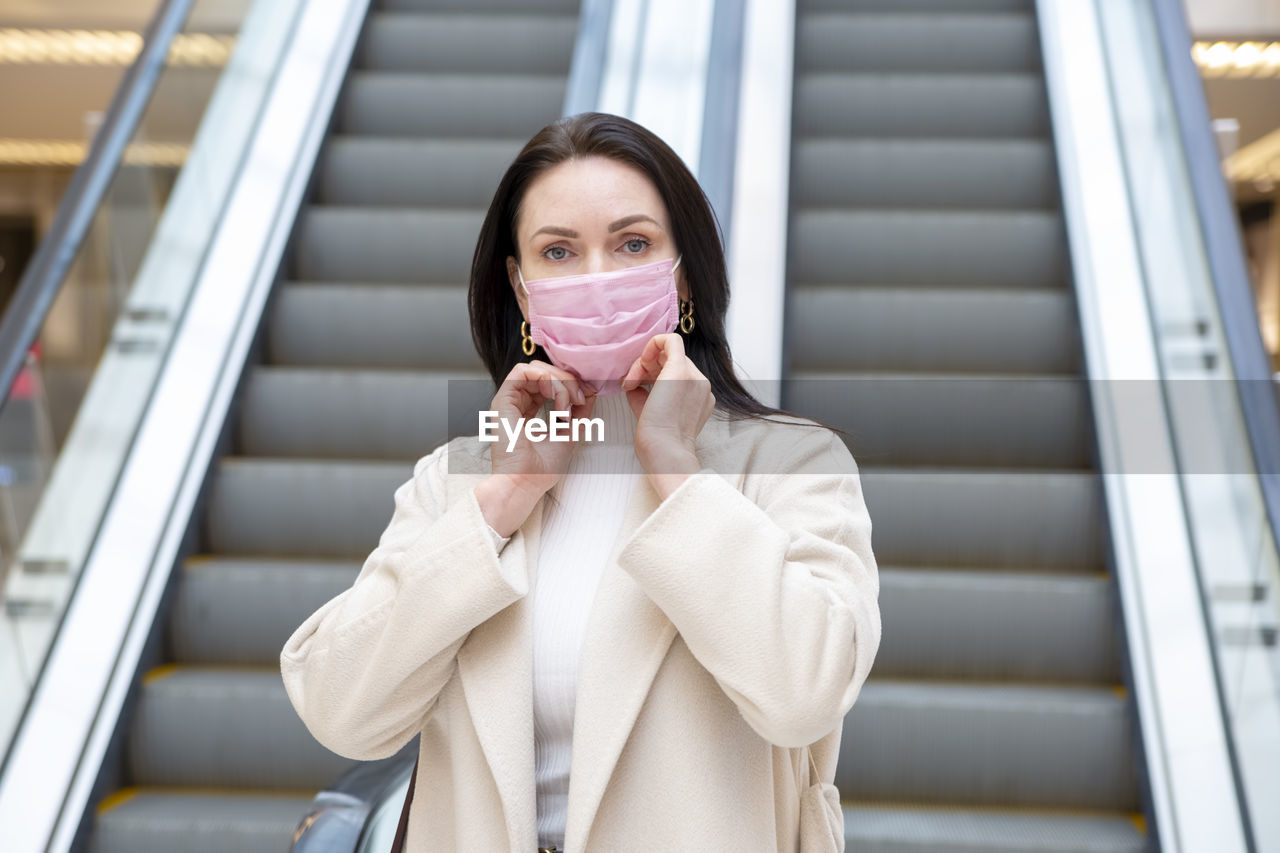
<point x="580" y="523"/>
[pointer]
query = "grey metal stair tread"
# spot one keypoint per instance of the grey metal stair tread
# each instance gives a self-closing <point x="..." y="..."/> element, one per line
<point x="984" y="248"/>
<point x="998" y="625"/>
<point x="885" y="41"/>
<point x="386" y="244"/>
<point x="419" y="172"/>
<point x="939" y="173"/>
<point x="982" y="743"/>
<point x="879" y="827"/>
<point x="485" y="6"/>
<point x="143" y="820"/>
<point x="985" y="518"/>
<point x="914" y="6"/>
<point x="301" y="508"/>
<point x="357" y="414"/>
<point x="945" y="282"/>
<point x="878" y="327"/>
<point x="339" y="324"/>
<point x="241" y="611"/>
<point x="461" y="42"/>
<point x="458" y="105"/>
<point x="936" y="105"/>
<point x="189" y="729"/>
<point x="952" y="419"/>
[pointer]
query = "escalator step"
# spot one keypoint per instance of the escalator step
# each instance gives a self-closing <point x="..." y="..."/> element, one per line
<point x="387" y="244"/>
<point x="924" y="173"/>
<point x="932" y="329"/>
<point x="461" y="43"/>
<point x="449" y="105"/>
<point x="1014" y="625"/>
<point x="970" y="743"/>
<point x="289" y="508"/>
<point x="943" y="42"/>
<point x="371" y="325"/>
<point x="986" y="518"/>
<point x="224" y="727"/>
<point x="417" y="172"/>
<point x="143" y="820"/>
<point x="952" y="419"/>
<point x="937" y="105"/>
<point x="930" y="6"/>
<point x="563" y="7"/>
<point x="340" y="414"/>
<point x="1022" y="248"/>
<point x="241" y="611"/>
<point x="914" y="828"/>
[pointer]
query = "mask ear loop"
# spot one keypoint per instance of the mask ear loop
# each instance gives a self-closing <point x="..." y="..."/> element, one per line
<point x="679" y="258"/>
<point x="523" y="286"/>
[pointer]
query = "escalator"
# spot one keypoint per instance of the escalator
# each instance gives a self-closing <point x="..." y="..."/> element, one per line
<point x="345" y="390"/>
<point x="931" y="313"/>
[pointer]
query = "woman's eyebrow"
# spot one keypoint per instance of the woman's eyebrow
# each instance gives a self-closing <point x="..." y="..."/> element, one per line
<point x="555" y="229"/>
<point x="616" y="225"/>
<point x="631" y="220"/>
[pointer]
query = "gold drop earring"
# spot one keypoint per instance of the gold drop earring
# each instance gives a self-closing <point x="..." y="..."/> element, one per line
<point x="686" y="316"/>
<point x="526" y="342"/>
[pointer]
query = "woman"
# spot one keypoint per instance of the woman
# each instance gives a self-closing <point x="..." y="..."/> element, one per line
<point x="615" y="644"/>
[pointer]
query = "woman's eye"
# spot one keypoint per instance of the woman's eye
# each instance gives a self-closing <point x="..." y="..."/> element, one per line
<point x="556" y="253"/>
<point x="636" y="245"/>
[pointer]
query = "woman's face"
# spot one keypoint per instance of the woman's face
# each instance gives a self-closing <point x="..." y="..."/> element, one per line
<point x="590" y="215"/>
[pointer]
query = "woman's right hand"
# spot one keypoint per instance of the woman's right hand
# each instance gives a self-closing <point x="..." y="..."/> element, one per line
<point x="521" y="475"/>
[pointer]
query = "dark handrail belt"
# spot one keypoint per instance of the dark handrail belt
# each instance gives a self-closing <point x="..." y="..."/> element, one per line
<point x="58" y="249"/>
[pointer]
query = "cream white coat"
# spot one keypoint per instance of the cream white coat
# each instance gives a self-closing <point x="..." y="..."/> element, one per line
<point x="735" y="623"/>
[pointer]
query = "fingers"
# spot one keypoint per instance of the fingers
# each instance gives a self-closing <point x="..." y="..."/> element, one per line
<point x="658" y="352"/>
<point x="529" y="383"/>
<point x="636" y="398"/>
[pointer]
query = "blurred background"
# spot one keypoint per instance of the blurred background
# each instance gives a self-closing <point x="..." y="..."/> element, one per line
<point x="1026" y="251"/>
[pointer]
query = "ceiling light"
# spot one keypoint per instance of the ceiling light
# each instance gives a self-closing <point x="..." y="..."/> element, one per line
<point x="1237" y="58"/>
<point x="70" y="152"/>
<point x="106" y="47"/>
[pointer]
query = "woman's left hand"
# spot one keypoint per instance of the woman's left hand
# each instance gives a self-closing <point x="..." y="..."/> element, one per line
<point x="670" y="414"/>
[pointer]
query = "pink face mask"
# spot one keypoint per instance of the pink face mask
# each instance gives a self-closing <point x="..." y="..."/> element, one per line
<point x="595" y="325"/>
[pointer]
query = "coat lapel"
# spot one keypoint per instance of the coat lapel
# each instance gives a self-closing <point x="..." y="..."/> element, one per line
<point x="495" y="665"/>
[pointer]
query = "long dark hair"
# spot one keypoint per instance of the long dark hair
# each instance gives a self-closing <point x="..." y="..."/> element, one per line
<point x="495" y="314"/>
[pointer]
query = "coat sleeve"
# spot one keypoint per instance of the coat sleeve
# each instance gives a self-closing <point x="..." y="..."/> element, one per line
<point x="365" y="670"/>
<point x="778" y="597"/>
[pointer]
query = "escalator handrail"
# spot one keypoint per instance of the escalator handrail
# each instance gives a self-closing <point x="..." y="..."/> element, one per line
<point x="1259" y="395"/>
<point x="590" y="49"/>
<point x="58" y="249"/>
<point x="717" y="161"/>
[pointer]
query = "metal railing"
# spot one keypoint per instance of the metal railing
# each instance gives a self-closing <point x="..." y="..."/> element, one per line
<point x="1223" y="407"/>
<point x="57" y="251"/>
<point x="1224" y="252"/>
